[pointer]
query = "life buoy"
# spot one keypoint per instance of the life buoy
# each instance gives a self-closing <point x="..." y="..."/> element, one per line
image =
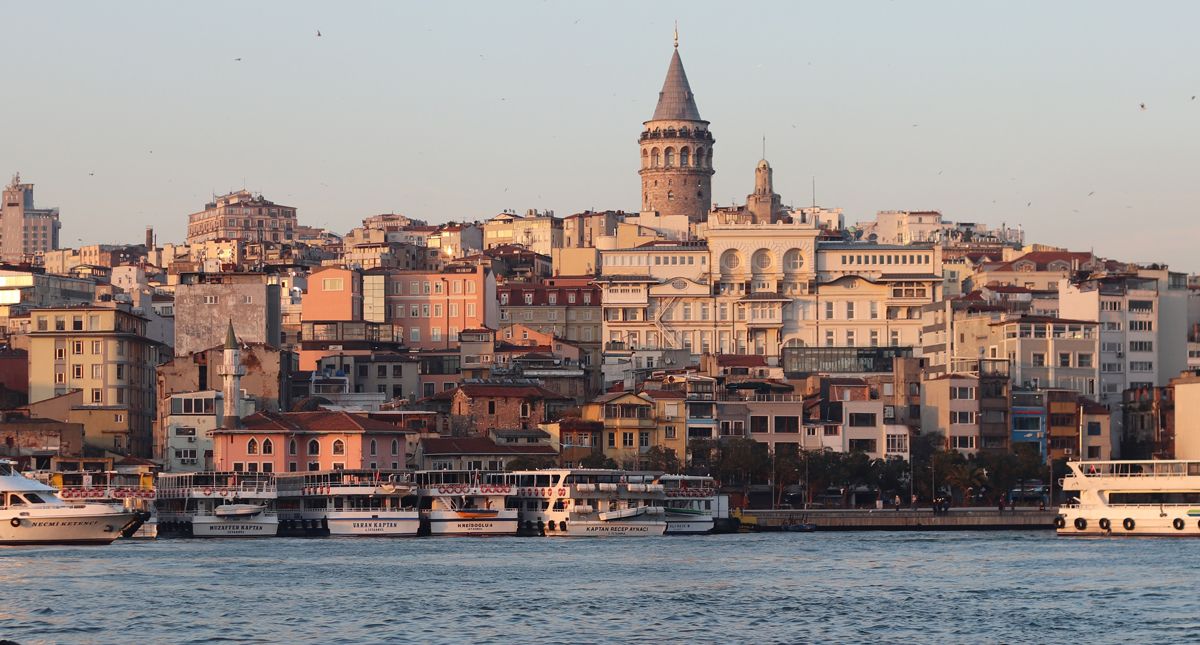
<point x="1060" y="522"/>
<point x="1128" y="523"/>
<point x="562" y="492"/>
<point x="1080" y="524"/>
<point x="15" y="522"/>
<point x="1105" y="524"/>
<point x="207" y="491"/>
<point x="224" y="492"/>
<point x="551" y="525"/>
<point x="1178" y="524"/>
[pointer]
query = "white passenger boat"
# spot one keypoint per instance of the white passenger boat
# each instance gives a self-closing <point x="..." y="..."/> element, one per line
<point x="217" y="504"/>
<point x="32" y="513"/>
<point x="347" y="502"/>
<point x="586" y="502"/>
<point x="1140" y="498"/>
<point x="689" y="503"/>
<point x="457" y="502"/>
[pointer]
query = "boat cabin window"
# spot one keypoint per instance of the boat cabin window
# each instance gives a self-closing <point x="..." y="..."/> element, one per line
<point x="558" y="505"/>
<point x="15" y="500"/>
<point x="543" y="480"/>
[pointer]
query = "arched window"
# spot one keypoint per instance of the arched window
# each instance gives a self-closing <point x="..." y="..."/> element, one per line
<point x="314" y="447"/>
<point x="645" y="158"/>
<point x="699" y="157"/>
<point x="670" y="195"/>
<point x="793" y="260"/>
<point x="395" y="447"/>
<point x="669" y="157"/>
<point x="268" y="447"/>
<point x="763" y="260"/>
<point x="654" y="157"/>
<point x="252" y="447"/>
<point x="373" y="447"/>
<point x="339" y="447"/>
<point x="684" y="153"/>
<point x="292" y="447"/>
<point x="708" y="159"/>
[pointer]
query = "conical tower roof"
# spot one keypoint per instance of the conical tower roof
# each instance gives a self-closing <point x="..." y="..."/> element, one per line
<point x="230" y="337"/>
<point x="676" y="101"/>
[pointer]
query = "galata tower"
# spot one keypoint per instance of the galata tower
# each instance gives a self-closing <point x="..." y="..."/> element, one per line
<point x="677" y="151"/>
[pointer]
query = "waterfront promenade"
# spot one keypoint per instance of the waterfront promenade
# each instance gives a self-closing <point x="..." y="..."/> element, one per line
<point x="956" y="519"/>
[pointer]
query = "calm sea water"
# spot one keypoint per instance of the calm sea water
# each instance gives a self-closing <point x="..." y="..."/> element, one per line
<point x="766" y="588"/>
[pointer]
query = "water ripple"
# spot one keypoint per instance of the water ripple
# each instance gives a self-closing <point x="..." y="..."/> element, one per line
<point x="782" y="588"/>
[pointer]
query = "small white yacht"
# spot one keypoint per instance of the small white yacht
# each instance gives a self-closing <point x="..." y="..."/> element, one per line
<point x="1131" y="498"/>
<point x="577" y="502"/>
<point x="459" y="502"/>
<point x="217" y="504"/>
<point x="32" y="513"/>
<point x="347" y="502"/>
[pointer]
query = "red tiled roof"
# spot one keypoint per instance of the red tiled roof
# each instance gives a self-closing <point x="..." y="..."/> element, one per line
<point x="502" y="390"/>
<point x="480" y="446"/>
<point x="319" y="421"/>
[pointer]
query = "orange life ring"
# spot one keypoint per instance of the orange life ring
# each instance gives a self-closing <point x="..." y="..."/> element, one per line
<point x="224" y="492"/>
<point x="562" y="492"/>
<point x="207" y="491"/>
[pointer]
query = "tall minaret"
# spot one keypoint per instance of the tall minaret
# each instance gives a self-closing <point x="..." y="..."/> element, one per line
<point x="676" y="148"/>
<point x="231" y="379"/>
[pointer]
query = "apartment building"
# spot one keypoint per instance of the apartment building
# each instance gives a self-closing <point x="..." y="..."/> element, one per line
<point x="242" y="215"/>
<point x="26" y="232"/>
<point x="205" y="303"/>
<point x="540" y="232"/>
<point x="103" y="352"/>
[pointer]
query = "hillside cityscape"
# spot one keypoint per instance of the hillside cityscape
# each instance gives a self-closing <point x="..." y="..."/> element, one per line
<point x="797" y="354"/>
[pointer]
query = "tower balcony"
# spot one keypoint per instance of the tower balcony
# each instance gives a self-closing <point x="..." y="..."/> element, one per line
<point x="694" y="135"/>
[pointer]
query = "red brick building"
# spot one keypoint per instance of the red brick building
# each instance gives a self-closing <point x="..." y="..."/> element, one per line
<point x="477" y="408"/>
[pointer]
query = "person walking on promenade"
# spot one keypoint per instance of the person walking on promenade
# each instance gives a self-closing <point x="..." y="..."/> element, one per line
<point x="897" y="502"/>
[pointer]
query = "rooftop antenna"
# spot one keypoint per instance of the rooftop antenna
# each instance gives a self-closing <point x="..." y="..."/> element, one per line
<point x="764" y="146"/>
<point x="814" y="190"/>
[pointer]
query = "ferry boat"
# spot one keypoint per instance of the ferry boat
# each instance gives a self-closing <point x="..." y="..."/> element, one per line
<point x="689" y="503"/>
<point x="217" y="504"/>
<point x="458" y="502"/>
<point x="577" y="502"/>
<point x="347" y="502"/>
<point x="132" y="491"/>
<point x="1139" y="498"/>
<point x="32" y="513"/>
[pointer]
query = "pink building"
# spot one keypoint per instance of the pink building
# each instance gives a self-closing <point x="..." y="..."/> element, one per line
<point x="334" y="294"/>
<point x="303" y="441"/>
<point x="429" y="309"/>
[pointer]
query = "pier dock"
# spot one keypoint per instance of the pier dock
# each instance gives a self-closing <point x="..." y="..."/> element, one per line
<point x="956" y="519"/>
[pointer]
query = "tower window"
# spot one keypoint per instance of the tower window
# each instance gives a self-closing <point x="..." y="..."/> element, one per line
<point x="683" y="157"/>
<point x="670" y="195"/>
<point x="669" y="157"/>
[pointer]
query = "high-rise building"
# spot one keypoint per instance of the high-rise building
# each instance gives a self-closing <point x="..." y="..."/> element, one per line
<point x="676" y="147"/>
<point x="242" y="215"/>
<point x="25" y="231"/>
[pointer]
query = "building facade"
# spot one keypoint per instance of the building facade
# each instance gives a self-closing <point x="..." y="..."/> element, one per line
<point x="242" y="215"/>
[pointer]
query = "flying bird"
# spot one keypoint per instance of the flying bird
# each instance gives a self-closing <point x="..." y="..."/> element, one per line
<point x="1091" y="193"/>
<point x="318" y="33"/>
<point x="237" y="59"/>
<point x="1142" y="106"/>
<point x="1028" y="204"/>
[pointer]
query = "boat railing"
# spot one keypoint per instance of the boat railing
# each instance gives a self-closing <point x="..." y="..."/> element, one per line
<point x="1148" y="468"/>
<point x="106" y="492"/>
<point x="469" y="489"/>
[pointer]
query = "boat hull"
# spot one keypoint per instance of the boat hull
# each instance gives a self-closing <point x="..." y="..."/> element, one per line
<point x="590" y="528"/>
<point x="65" y="528"/>
<point x="1130" y="522"/>
<point x="689" y="525"/>
<point x="399" y="524"/>
<point x="442" y="522"/>
<point x="262" y="525"/>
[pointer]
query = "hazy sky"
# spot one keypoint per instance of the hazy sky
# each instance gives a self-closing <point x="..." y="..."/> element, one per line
<point x="990" y="112"/>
